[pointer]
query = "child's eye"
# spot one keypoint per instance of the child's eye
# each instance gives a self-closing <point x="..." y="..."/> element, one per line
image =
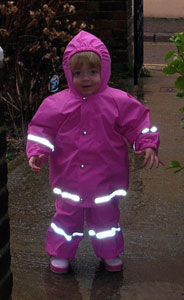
<point x="76" y="73"/>
<point x="93" y="72"/>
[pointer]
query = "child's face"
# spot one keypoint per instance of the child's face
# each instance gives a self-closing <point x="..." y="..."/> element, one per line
<point x="86" y="79"/>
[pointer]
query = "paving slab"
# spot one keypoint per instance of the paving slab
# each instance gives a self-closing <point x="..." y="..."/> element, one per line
<point x="154" y="53"/>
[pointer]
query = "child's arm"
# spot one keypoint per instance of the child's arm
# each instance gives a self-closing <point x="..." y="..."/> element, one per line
<point x="42" y="131"/>
<point x="150" y="156"/>
<point x="135" y="126"/>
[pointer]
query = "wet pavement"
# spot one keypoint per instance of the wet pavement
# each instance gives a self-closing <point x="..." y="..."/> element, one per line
<point x="151" y="218"/>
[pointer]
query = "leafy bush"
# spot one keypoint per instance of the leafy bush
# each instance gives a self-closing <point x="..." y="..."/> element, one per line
<point x="176" y="66"/>
<point x="33" y="35"/>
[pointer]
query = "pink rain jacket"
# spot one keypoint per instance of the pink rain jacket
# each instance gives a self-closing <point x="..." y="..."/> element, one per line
<point x="86" y="137"/>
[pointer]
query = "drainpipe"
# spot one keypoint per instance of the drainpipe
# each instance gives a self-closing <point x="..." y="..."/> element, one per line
<point x="6" y="278"/>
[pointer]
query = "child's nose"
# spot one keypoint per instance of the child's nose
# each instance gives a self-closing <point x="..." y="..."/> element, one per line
<point x="85" y="75"/>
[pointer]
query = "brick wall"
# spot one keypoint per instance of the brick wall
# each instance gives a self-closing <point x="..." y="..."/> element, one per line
<point x="112" y="20"/>
<point x="5" y="273"/>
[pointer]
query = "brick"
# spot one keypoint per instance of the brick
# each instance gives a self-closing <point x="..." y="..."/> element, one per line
<point x="104" y="15"/>
<point x="80" y="5"/>
<point x="115" y="24"/>
<point x="105" y="34"/>
<point x="119" y="15"/>
<point x="113" y="5"/>
<point x="118" y="33"/>
<point x="83" y="15"/>
<point x="120" y="43"/>
<point x="120" y="57"/>
<point x="93" y="5"/>
<point x="97" y="25"/>
<point x="117" y="43"/>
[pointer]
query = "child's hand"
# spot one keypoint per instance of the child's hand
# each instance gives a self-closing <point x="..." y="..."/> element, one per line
<point x="35" y="162"/>
<point x="151" y="157"/>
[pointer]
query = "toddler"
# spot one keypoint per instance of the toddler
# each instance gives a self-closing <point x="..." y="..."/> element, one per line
<point x="84" y="130"/>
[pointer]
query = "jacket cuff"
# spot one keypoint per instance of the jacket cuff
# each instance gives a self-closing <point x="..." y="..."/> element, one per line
<point x="36" y="151"/>
<point x="147" y="141"/>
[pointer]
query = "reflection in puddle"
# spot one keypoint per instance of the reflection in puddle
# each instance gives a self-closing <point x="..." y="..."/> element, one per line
<point x="102" y="285"/>
<point x="106" y="285"/>
<point x="62" y="287"/>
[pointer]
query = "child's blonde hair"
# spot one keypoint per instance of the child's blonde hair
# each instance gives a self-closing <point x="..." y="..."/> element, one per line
<point x="92" y="59"/>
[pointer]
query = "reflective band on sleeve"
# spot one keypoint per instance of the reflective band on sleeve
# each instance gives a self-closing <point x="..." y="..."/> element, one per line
<point x="40" y="140"/>
<point x="109" y="197"/>
<point x="144" y="131"/>
<point x="61" y="232"/>
<point x="104" y="234"/>
<point x="152" y="129"/>
<point x="66" y="195"/>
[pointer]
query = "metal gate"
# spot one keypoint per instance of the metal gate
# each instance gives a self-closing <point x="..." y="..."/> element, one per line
<point x="138" y="39"/>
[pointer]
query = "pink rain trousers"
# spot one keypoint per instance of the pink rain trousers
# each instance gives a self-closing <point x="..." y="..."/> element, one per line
<point x="70" y="220"/>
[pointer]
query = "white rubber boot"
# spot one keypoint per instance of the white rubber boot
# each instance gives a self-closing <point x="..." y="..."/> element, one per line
<point x="59" y="265"/>
<point x="113" y="264"/>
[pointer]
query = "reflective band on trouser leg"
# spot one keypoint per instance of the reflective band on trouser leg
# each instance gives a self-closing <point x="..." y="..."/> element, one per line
<point x="66" y="195"/>
<point x="109" y="197"/>
<point x="104" y="234"/>
<point x="108" y="243"/>
<point x="58" y="230"/>
<point x="40" y="140"/>
<point x="98" y="200"/>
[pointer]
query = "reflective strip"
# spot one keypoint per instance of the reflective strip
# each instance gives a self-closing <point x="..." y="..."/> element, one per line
<point x="40" y="140"/>
<point x="98" y="200"/>
<point x="66" y="195"/>
<point x="109" y="197"/>
<point x="152" y="129"/>
<point x="105" y="234"/>
<point x="144" y="131"/>
<point x="60" y="231"/>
